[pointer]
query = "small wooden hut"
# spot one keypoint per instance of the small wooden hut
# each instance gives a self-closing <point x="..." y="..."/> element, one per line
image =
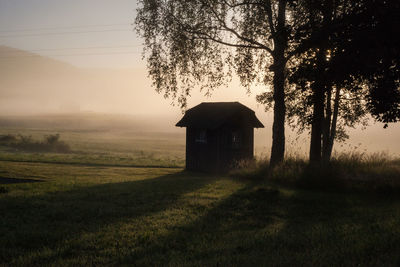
<point x="218" y="135"/>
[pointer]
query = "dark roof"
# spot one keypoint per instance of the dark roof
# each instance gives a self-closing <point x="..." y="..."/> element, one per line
<point x="211" y="115"/>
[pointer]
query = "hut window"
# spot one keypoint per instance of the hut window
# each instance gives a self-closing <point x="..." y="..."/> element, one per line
<point x="201" y="136"/>
<point x="236" y="139"/>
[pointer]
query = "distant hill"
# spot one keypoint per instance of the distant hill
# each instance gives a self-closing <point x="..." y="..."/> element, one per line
<point x="21" y="70"/>
<point x="30" y="83"/>
<point x="14" y="61"/>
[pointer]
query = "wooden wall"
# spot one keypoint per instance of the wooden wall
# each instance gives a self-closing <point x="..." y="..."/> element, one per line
<point x="219" y="153"/>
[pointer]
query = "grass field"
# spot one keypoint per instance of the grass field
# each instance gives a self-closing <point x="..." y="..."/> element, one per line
<point x="105" y="148"/>
<point x="85" y="215"/>
<point x="122" y="198"/>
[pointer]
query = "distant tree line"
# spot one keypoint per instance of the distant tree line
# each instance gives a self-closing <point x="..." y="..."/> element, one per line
<point x="325" y="64"/>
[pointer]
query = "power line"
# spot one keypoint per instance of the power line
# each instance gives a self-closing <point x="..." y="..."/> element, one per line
<point x="70" y="48"/>
<point x="62" y="33"/>
<point x="65" y="28"/>
<point x="65" y="55"/>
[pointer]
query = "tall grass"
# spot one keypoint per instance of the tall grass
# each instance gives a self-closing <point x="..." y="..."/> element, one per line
<point x="351" y="171"/>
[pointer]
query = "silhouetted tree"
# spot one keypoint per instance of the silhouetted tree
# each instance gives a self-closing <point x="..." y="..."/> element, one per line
<point x="341" y="55"/>
<point x="349" y="64"/>
<point x="313" y="76"/>
<point x="201" y="42"/>
<point x="370" y="55"/>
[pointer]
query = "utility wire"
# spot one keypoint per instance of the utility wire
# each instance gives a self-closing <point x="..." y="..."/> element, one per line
<point x="62" y="33"/>
<point x="70" y="48"/>
<point x="67" y="55"/>
<point x="64" y="28"/>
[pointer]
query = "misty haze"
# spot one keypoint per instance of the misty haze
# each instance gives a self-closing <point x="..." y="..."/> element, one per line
<point x="38" y="88"/>
<point x="199" y="133"/>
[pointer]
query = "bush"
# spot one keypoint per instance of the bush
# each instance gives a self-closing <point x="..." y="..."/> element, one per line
<point x="7" y="139"/>
<point x="51" y="143"/>
<point x="3" y="190"/>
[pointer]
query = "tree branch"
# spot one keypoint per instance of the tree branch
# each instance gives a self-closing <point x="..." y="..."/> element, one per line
<point x="241" y="4"/>
<point x="240" y="37"/>
<point x="269" y="15"/>
<point x="204" y="36"/>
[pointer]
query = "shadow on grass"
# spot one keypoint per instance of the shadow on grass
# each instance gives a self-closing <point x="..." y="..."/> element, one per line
<point x="259" y="225"/>
<point x="6" y="180"/>
<point x="268" y="227"/>
<point x="32" y="223"/>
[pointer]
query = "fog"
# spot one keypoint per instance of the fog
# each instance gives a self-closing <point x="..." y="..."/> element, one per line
<point x="32" y="84"/>
<point x="35" y="86"/>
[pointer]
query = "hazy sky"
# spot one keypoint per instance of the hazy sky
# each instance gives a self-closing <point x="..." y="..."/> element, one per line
<point x="93" y="33"/>
<point x="84" y="33"/>
<point x="60" y="24"/>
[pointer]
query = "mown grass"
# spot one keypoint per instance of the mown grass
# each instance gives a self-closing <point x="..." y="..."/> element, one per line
<point x="109" y="148"/>
<point x="80" y="215"/>
<point x="145" y="159"/>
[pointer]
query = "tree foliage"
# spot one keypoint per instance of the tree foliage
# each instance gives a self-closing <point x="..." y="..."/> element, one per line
<point x="371" y="55"/>
<point x="203" y="42"/>
<point x="325" y="64"/>
<point x="348" y="67"/>
<point x="200" y="43"/>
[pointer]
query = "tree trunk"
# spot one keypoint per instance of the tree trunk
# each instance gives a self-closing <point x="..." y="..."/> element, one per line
<point x="319" y="88"/>
<point x="278" y="127"/>
<point x="318" y="110"/>
<point x="316" y="128"/>
<point x="327" y="125"/>
<point x="332" y="134"/>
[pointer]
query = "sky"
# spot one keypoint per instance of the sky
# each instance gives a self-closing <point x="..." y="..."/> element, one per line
<point x="84" y="24"/>
<point x="94" y="34"/>
<point x="99" y="66"/>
